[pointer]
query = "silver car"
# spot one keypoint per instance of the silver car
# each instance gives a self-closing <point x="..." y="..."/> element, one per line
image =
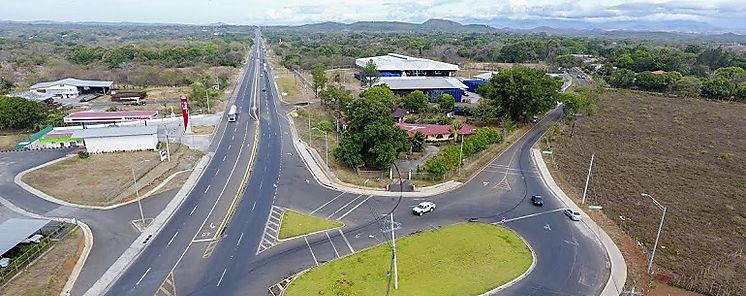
<point x="573" y="214"/>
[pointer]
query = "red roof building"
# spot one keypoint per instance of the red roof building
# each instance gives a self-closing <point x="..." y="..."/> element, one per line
<point x="119" y="116"/>
<point x="434" y="132"/>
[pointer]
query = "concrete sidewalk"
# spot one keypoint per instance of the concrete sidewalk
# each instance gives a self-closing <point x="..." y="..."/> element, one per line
<point x="326" y="177"/>
<point x="618" y="276"/>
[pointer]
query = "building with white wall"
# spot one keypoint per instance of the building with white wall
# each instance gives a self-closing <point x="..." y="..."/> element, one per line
<point x="116" y="139"/>
<point x="71" y="87"/>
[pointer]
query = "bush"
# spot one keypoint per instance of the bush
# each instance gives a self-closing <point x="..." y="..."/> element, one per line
<point x="83" y="154"/>
<point x="448" y="158"/>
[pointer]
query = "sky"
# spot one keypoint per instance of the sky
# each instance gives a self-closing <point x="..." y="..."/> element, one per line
<point x="726" y="14"/>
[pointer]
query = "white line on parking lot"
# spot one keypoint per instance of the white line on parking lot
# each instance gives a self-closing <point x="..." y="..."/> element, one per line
<point x="172" y="239"/>
<point x="331" y="242"/>
<point x="221" y="277"/>
<point x="354" y="208"/>
<point x="312" y="254"/>
<point x="143" y="276"/>
<point x="328" y="202"/>
<point x="344" y="206"/>
<point x="346" y="241"/>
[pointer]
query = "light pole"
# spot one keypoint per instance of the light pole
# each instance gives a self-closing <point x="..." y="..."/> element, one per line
<point x="137" y="192"/>
<point x="657" y="236"/>
<point x="588" y="178"/>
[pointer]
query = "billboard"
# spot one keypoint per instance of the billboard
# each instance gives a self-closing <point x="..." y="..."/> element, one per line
<point x="184" y="100"/>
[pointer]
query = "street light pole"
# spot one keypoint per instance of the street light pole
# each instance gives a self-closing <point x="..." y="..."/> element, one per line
<point x="460" y="153"/>
<point x="207" y="95"/>
<point x="393" y="246"/>
<point x="137" y="192"/>
<point x="588" y="178"/>
<point x="657" y="236"/>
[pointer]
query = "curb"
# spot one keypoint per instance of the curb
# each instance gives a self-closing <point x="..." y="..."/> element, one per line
<point x="520" y="277"/>
<point x="18" y="180"/>
<point x="618" y="269"/>
<point x="152" y="230"/>
<point x="81" y="261"/>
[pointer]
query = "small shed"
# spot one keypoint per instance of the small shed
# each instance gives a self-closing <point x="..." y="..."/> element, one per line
<point x="14" y="231"/>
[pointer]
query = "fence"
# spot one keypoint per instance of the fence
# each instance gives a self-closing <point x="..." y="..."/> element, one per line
<point x="704" y="281"/>
<point x="30" y="252"/>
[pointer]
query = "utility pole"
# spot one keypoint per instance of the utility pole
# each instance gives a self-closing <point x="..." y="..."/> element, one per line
<point x="588" y="178"/>
<point x="657" y="236"/>
<point x="393" y="248"/>
<point x="460" y="153"/>
<point x="137" y="192"/>
<point x="326" y="146"/>
<point x="207" y="95"/>
<point x="168" y="150"/>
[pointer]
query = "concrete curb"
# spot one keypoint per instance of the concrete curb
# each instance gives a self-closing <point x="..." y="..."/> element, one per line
<point x="520" y="277"/>
<point x="18" y="179"/>
<point x="279" y="240"/>
<point x="134" y="250"/>
<point x="323" y="177"/>
<point x="618" y="274"/>
<point x="81" y="261"/>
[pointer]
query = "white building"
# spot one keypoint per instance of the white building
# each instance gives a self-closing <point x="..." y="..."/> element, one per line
<point x="71" y="87"/>
<point x="395" y="65"/>
<point x="114" y="139"/>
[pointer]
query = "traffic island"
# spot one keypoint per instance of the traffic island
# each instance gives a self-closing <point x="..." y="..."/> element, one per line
<point x="295" y="224"/>
<point x="461" y="259"/>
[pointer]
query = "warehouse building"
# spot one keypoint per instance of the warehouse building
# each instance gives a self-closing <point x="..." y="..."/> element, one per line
<point x="72" y="88"/>
<point x="397" y="65"/>
<point x="116" y="139"/>
<point x="432" y="86"/>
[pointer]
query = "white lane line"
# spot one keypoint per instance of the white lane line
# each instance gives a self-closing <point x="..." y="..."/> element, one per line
<point x="354" y="208"/>
<point x="312" y="254"/>
<point x="221" y="277"/>
<point x="327" y="203"/>
<point x="208" y="188"/>
<point x="253" y="206"/>
<point x="192" y="212"/>
<point x="346" y="241"/>
<point x="172" y="239"/>
<point x="233" y="137"/>
<point x="229" y="146"/>
<point x="224" y="156"/>
<point x="533" y="215"/>
<point x="239" y="239"/>
<point x="216" y="172"/>
<point x="261" y="183"/>
<point x="201" y="240"/>
<point x="331" y="242"/>
<point x="142" y="277"/>
<point x="344" y="206"/>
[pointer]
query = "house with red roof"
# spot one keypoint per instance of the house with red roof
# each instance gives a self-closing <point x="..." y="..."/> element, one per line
<point x="435" y="132"/>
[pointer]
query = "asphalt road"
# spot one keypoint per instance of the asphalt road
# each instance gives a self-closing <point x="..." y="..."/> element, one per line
<point x="182" y="260"/>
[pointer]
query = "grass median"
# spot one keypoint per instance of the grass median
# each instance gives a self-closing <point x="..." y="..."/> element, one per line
<point x="296" y="224"/>
<point x="462" y="259"/>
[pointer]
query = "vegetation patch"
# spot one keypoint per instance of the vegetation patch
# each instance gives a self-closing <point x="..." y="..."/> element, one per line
<point x="297" y="224"/>
<point x="462" y="259"/>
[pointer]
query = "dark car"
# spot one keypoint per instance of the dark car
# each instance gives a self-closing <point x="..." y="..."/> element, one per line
<point x="537" y="200"/>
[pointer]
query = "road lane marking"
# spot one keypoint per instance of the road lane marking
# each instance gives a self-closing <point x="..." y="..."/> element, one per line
<point x="344" y="206"/>
<point x="346" y="241"/>
<point x="233" y="136"/>
<point x="218" y="171"/>
<point x="533" y="215"/>
<point x="221" y="277"/>
<point x="208" y="188"/>
<point x="192" y="212"/>
<point x="172" y="239"/>
<point x="224" y="156"/>
<point x="354" y="208"/>
<point x="332" y="243"/>
<point x="312" y="254"/>
<point x="239" y="239"/>
<point x="327" y="203"/>
<point x="262" y="182"/>
<point x="142" y="277"/>
<point x="229" y="146"/>
<point x="253" y="206"/>
<point x="201" y="240"/>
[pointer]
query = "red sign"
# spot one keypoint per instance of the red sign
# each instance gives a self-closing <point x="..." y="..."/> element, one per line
<point x="185" y="110"/>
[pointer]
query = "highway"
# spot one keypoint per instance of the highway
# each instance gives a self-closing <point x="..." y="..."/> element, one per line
<point x="191" y="256"/>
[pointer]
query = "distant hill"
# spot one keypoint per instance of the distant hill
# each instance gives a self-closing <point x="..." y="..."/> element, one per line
<point x="432" y="25"/>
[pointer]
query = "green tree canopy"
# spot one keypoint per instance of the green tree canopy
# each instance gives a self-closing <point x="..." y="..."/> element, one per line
<point x="19" y="113"/>
<point x="381" y="93"/>
<point x="689" y="86"/>
<point x="319" y="78"/>
<point x="415" y="101"/>
<point x="622" y="78"/>
<point x="336" y="97"/>
<point x="718" y="87"/>
<point x="521" y="92"/>
<point x="446" y="102"/>
<point x="370" y="74"/>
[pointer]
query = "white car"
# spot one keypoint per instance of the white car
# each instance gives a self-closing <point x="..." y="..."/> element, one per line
<point x="573" y="214"/>
<point x="423" y="207"/>
<point x="4" y="262"/>
<point x="36" y="238"/>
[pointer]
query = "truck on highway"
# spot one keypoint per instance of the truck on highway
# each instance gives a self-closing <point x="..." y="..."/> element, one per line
<point x="232" y="114"/>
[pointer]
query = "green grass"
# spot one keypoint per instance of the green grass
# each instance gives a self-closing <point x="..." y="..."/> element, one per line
<point x="295" y="224"/>
<point x="287" y="85"/>
<point x="462" y="259"/>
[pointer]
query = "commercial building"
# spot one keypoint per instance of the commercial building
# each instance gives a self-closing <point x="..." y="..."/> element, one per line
<point x="109" y="117"/>
<point x="116" y="139"/>
<point x="72" y="88"/>
<point x="51" y="138"/>
<point x="432" y="86"/>
<point x="435" y="132"/>
<point x="397" y="65"/>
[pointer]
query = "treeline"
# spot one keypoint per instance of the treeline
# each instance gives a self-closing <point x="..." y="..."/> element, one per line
<point x="215" y="53"/>
<point x="727" y="83"/>
<point x="22" y="114"/>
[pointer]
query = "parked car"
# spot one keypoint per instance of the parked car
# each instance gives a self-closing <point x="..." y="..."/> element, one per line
<point x="423" y="207"/>
<point x="36" y="238"/>
<point x="537" y="200"/>
<point x="4" y="262"/>
<point x="573" y="214"/>
<point x="535" y="119"/>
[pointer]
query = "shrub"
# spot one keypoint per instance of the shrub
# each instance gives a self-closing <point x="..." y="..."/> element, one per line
<point x="448" y="158"/>
<point x="83" y="154"/>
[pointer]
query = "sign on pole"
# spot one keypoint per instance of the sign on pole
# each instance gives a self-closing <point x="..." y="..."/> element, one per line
<point x="184" y="100"/>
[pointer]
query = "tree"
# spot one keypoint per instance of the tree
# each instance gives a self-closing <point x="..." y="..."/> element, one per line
<point x="335" y="97"/>
<point x="415" y="101"/>
<point x="5" y="86"/>
<point x="485" y="112"/>
<point x="576" y="103"/>
<point x="521" y="91"/>
<point x="622" y="78"/>
<point x="319" y="78"/>
<point x="446" y="102"/>
<point x="417" y="141"/>
<point x="656" y="82"/>
<point x="736" y="74"/>
<point x="381" y="93"/>
<point x="567" y="61"/>
<point x="370" y="138"/>
<point x="689" y="86"/>
<point x="718" y="88"/>
<point x="741" y="92"/>
<point x="19" y="113"/>
<point x="369" y="74"/>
